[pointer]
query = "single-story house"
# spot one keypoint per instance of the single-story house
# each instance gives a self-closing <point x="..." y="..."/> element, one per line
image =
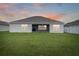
<point x="72" y="27"/>
<point x="4" y="26"/>
<point x="36" y="24"/>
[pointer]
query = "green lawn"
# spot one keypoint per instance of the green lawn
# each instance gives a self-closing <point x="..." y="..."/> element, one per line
<point x="39" y="44"/>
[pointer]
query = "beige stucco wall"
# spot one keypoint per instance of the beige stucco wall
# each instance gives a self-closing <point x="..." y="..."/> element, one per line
<point x="19" y="28"/>
<point x="55" y="29"/>
<point x="72" y="29"/>
<point x="4" y="28"/>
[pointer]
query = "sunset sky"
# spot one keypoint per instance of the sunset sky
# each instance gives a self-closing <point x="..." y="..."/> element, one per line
<point x="57" y="11"/>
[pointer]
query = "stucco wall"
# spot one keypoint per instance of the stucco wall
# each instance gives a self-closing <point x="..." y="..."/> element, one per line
<point x="72" y="29"/>
<point x="4" y="28"/>
<point x="18" y="28"/>
<point x="55" y="29"/>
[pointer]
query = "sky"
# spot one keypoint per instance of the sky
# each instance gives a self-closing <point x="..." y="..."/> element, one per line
<point x="64" y="12"/>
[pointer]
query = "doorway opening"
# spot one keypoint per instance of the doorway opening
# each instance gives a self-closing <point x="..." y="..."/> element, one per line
<point x="40" y="27"/>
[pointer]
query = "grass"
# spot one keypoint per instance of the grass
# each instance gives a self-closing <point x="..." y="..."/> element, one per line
<point x="39" y="44"/>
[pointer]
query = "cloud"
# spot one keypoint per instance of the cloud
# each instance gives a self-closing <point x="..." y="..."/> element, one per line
<point x="7" y="16"/>
<point x="4" y="6"/>
<point x="11" y="14"/>
<point x="38" y="5"/>
<point x="54" y="16"/>
<point x="4" y="10"/>
<point x="2" y="17"/>
<point x="23" y="12"/>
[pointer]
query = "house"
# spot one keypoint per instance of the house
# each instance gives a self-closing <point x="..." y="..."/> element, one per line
<point x="72" y="27"/>
<point x="37" y="24"/>
<point x="4" y="26"/>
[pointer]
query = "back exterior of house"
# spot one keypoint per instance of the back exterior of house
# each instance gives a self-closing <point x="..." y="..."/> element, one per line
<point x="37" y="24"/>
<point x="72" y="27"/>
<point x="4" y="26"/>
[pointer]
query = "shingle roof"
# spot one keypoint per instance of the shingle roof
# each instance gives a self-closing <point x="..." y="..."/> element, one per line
<point x="72" y="23"/>
<point x="34" y="19"/>
<point x="4" y="23"/>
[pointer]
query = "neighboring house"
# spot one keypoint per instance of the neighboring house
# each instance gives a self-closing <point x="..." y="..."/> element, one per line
<point x="37" y="24"/>
<point x="4" y="26"/>
<point x="72" y="27"/>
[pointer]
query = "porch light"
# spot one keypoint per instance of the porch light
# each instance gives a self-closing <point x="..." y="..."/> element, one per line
<point x="45" y="26"/>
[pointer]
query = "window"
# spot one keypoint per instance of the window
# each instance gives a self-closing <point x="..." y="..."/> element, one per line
<point x="56" y="28"/>
<point x="42" y="27"/>
<point x="24" y="27"/>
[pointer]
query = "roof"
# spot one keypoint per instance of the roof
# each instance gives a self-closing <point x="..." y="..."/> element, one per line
<point x="4" y="23"/>
<point x="72" y="23"/>
<point x="35" y="20"/>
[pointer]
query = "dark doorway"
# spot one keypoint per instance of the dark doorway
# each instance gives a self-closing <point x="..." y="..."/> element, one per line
<point x="34" y="27"/>
<point x="40" y="27"/>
